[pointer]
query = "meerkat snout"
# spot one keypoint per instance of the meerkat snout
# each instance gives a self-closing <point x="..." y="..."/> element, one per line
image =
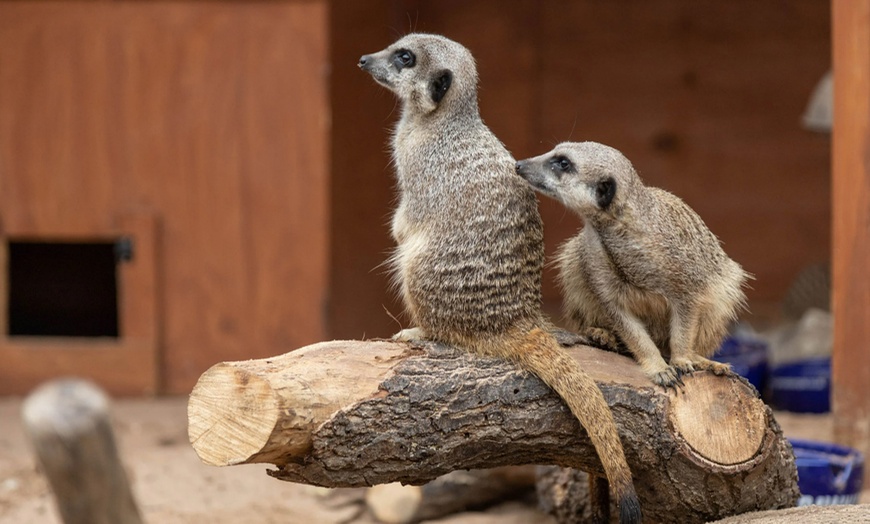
<point x="530" y="171"/>
<point x="363" y="60"/>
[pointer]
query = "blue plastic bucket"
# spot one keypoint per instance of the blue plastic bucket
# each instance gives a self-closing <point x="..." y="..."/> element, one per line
<point x="747" y="356"/>
<point x="803" y="386"/>
<point x="828" y="474"/>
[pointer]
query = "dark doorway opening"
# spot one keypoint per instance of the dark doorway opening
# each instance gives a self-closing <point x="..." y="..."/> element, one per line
<point x="62" y="289"/>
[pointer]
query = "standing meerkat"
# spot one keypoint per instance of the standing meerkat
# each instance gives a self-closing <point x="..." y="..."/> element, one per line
<point x="644" y="266"/>
<point x="470" y="240"/>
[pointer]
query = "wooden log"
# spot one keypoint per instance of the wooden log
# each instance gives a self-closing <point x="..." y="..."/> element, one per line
<point x="454" y="492"/>
<point x="350" y="413"/>
<point x="68" y="423"/>
<point x="846" y="514"/>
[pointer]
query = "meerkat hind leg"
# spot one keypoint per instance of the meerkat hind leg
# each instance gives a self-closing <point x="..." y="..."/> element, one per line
<point x="690" y="336"/>
<point x="605" y="339"/>
<point x="410" y="335"/>
<point x="567" y="338"/>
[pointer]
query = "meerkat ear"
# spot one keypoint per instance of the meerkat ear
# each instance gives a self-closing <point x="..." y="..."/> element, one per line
<point x="440" y="84"/>
<point x="605" y="190"/>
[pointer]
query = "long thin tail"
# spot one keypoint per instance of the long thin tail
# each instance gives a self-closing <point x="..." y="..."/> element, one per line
<point x="541" y="354"/>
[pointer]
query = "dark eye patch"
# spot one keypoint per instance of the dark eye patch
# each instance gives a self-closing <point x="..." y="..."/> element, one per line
<point x="404" y="58"/>
<point x="561" y="164"/>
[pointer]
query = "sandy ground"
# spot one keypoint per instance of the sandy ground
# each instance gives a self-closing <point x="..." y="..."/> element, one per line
<point x="173" y="487"/>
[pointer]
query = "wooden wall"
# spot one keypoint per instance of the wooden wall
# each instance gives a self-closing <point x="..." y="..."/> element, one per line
<point x="211" y="121"/>
<point x="243" y="148"/>
<point x="705" y="98"/>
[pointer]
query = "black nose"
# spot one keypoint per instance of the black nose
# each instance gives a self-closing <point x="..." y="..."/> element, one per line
<point x="519" y="166"/>
<point x="364" y="60"/>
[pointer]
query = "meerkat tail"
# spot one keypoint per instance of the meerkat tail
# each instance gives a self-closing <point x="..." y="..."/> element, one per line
<point x="541" y="354"/>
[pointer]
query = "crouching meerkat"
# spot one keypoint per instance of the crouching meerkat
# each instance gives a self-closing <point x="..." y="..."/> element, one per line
<point x="644" y="265"/>
<point x="469" y="237"/>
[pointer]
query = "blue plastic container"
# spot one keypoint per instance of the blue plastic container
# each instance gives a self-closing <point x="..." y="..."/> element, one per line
<point x="803" y="386"/>
<point x="747" y="356"/>
<point x="827" y="473"/>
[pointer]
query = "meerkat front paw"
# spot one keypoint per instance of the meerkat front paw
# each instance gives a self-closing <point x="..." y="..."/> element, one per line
<point x="684" y="366"/>
<point x="410" y="335"/>
<point x="717" y="368"/>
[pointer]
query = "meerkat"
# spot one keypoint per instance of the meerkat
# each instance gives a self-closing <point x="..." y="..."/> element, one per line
<point x="469" y="237"/>
<point x="644" y="265"/>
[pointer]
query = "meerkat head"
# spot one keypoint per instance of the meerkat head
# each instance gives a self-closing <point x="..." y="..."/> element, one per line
<point x="587" y="177"/>
<point x="425" y="71"/>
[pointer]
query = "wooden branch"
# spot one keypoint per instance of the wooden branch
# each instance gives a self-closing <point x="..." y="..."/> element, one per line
<point x="363" y="413"/>
<point x="68" y="422"/>
<point x="452" y="493"/>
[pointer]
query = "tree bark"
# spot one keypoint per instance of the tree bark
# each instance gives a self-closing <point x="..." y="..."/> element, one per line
<point x="344" y="414"/>
<point x="68" y="423"/>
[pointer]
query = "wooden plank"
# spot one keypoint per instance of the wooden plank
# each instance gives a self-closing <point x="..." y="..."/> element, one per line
<point x="851" y="223"/>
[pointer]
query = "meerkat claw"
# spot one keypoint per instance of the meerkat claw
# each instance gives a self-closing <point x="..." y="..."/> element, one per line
<point x="686" y="366"/>
<point x="669" y="378"/>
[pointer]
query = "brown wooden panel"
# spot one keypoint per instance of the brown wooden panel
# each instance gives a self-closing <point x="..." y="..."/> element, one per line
<point x="211" y="116"/>
<point x="851" y="223"/>
<point x="361" y="190"/>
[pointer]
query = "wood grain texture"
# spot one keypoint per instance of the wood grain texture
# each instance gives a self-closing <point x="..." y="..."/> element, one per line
<point x="412" y="413"/>
<point x="851" y="223"/>
<point x="211" y="117"/>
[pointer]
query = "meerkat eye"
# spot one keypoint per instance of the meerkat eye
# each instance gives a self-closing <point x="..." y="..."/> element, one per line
<point x="404" y="59"/>
<point x="562" y="164"/>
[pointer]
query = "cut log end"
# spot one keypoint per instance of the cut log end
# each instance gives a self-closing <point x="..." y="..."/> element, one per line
<point x="723" y="421"/>
<point x="230" y="429"/>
